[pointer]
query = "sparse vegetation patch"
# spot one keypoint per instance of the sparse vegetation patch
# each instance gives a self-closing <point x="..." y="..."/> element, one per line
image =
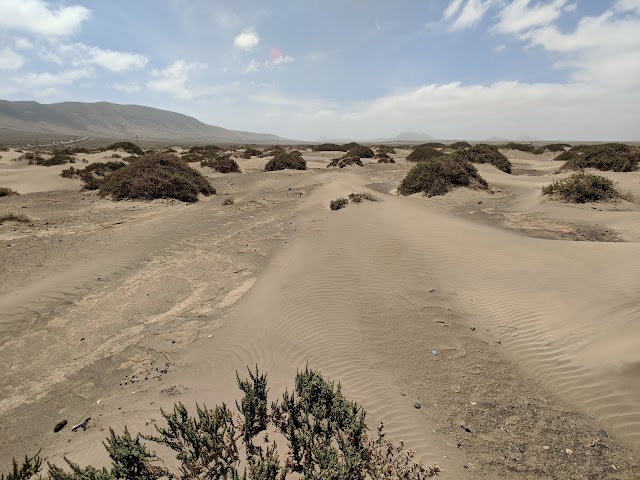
<point x="338" y="203"/>
<point x="93" y="175"/>
<point x="440" y="175"/>
<point x="345" y="161"/>
<point x="360" y="151"/>
<point x="326" y="438"/>
<point x="361" y="196"/>
<point x="583" y="187"/>
<point x="283" y="160"/>
<point x="129" y="147"/>
<point x="14" y="217"/>
<point x="251" y="152"/>
<point x="423" y="153"/>
<point x="483" y="153"/>
<point x="156" y="176"/>
<point x="222" y="164"/>
<point x="611" y="157"/>
<point x="7" y="192"/>
<point x="385" y="149"/>
<point x="557" y="147"/>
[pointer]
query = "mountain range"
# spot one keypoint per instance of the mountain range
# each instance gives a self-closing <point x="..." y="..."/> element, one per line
<point x="114" y="121"/>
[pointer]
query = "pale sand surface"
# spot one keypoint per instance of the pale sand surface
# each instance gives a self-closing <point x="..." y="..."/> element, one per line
<point x="531" y="305"/>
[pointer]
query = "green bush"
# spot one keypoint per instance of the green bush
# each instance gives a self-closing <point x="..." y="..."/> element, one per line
<point x="361" y="196"/>
<point x="385" y="149"/>
<point x="556" y="147"/>
<point x="326" y="434"/>
<point x="93" y="175"/>
<point x="607" y="157"/>
<point x="432" y="145"/>
<point x="483" y="153"/>
<point x="7" y="192"/>
<point x="460" y="145"/>
<point x="440" y="175"/>
<point x="129" y="147"/>
<point x="58" y="158"/>
<point x="156" y="176"/>
<point x="522" y="147"/>
<point x="222" y="164"/>
<point x="204" y="149"/>
<point x="423" y="153"/>
<point x="583" y="187"/>
<point x="251" y="152"/>
<point x="329" y="147"/>
<point x="345" y="161"/>
<point x="386" y="160"/>
<point x="360" y="151"/>
<point x="282" y="160"/>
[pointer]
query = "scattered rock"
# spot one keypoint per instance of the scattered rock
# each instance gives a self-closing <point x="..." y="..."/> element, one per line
<point x="568" y="451"/>
<point x="473" y="329"/>
<point x="434" y="353"/>
<point x="417" y="405"/>
<point x="59" y="426"/>
<point x="432" y="290"/>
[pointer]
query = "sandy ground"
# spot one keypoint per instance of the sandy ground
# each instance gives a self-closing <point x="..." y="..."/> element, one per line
<point x="511" y="318"/>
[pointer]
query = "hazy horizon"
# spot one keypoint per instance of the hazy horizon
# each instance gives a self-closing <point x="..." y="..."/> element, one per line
<point x="473" y="69"/>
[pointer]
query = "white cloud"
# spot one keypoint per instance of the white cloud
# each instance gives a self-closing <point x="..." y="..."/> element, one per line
<point x="22" y="43"/>
<point x="571" y="7"/>
<point x="40" y="17"/>
<point x="499" y="48"/>
<point x="173" y="79"/>
<point x="519" y="15"/>
<point x="48" y="80"/>
<point x="130" y="87"/>
<point x="10" y="60"/>
<point x="79" y="54"/>
<point x="246" y="41"/>
<point x="627" y="6"/>
<point x="452" y="9"/>
<point x="471" y="13"/>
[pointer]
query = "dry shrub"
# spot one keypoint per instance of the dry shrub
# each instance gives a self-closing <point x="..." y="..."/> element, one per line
<point x="345" y="161"/>
<point x="129" y="147"/>
<point x="156" y="176"/>
<point x="338" y="203"/>
<point x="385" y="149"/>
<point x="93" y="175"/>
<point x="360" y="151"/>
<point x="283" y="160"/>
<point x="251" y="152"/>
<point x="385" y="159"/>
<point x="523" y="147"/>
<point x="7" y="192"/>
<point x="360" y="197"/>
<point x="483" y="153"/>
<point x="423" y="153"/>
<point x="432" y="145"/>
<point x="556" y="147"/>
<point x="15" y="217"/>
<point x="460" y="145"/>
<point x="607" y="157"/>
<point x="583" y="187"/>
<point x="222" y="164"/>
<point x="440" y="175"/>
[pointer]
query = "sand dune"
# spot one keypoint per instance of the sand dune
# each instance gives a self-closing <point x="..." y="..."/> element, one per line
<point x="531" y="340"/>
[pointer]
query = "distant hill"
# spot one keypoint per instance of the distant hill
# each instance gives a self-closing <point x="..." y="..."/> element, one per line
<point x="412" y="137"/>
<point x="110" y="120"/>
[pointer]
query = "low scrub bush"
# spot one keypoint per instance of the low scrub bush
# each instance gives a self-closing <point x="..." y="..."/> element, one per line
<point x="283" y="160"/>
<point x="483" y="153"/>
<point x="522" y="147"/>
<point x="222" y="164"/>
<point x="362" y="196"/>
<point x="432" y="145"/>
<point x="583" y="187"/>
<point x="385" y="149"/>
<point x="7" y="192"/>
<point x="251" y="152"/>
<point x="423" y="153"/>
<point x="556" y="147"/>
<point x="338" y="203"/>
<point x="345" y="161"/>
<point x="460" y="145"/>
<point x="156" y="176"/>
<point x="14" y="217"/>
<point x="566" y="156"/>
<point x="129" y="147"/>
<point x="360" y="151"/>
<point x="326" y="434"/>
<point x="440" y="175"/>
<point x="93" y="175"/>
<point x="203" y="149"/>
<point x="608" y="157"/>
<point x="58" y="158"/>
<point x="386" y="160"/>
<point x="228" y="201"/>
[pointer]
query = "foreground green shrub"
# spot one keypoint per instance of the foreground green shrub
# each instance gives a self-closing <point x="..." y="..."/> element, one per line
<point x="608" y="157"/>
<point x="326" y="434"/>
<point x="283" y="160"/>
<point x="129" y="147"/>
<point x="440" y="175"/>
<point x="156" y="176"/>
<point x="423" y="153"/>
<point x="483" y="153"/>
<point x="222" y="164"/>
<point x="583" y="188"/>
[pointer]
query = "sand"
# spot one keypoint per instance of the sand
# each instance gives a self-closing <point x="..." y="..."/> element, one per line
<point x="114" y="310"/>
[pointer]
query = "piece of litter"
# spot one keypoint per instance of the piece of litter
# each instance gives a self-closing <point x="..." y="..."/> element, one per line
<point x="434" y="353"/>
<point x="568" y="451"/>
<point x="82" y="425"/>
<point x="209" y="336"/>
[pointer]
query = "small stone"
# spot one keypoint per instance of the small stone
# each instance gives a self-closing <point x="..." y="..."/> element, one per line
<point x="568" y="451"/>
<point x="545" y="447"/>
<point x="417" y="405"/>
<point x="480" y="202"/>
<point x="466" y="466"/>
<point x="59" y="426"/>
<point x="432" y="290"/>
<point x="474" y="403"/>
<point x="473" y="329"/>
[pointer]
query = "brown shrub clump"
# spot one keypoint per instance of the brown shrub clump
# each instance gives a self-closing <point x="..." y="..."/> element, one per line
<point x="283" y="160"/>
<point x="345" y="161"/>
<point x="483" y="153"/>
<point x="222" y="164"/>
<point x="423" y="153"/>
<point x="157" y="176"/>
<point x="607" y="157"/>
<point x="7" y="192"/>
<point x="440" y="175"/>
<point x="360" y="151"/>
<point x="583" y="187"/>
<point x="14" y="217"/>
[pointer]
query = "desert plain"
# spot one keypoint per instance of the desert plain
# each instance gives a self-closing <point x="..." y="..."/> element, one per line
<point x="496" y="332"/>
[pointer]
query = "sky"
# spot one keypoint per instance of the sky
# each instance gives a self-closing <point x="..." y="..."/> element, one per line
<point x="310" y="69"/>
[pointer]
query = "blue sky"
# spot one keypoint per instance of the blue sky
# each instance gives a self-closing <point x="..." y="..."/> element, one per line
<point x="552" y="69"/>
